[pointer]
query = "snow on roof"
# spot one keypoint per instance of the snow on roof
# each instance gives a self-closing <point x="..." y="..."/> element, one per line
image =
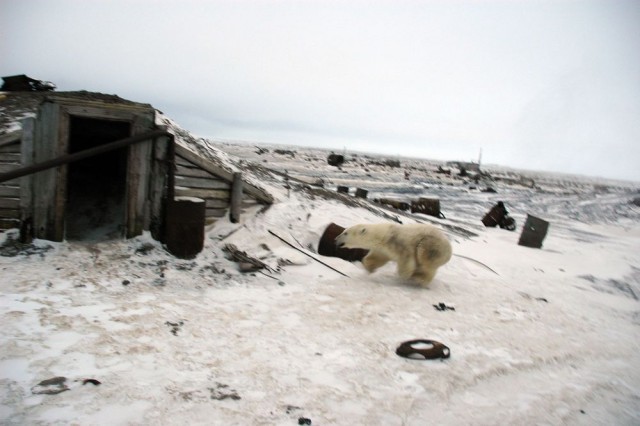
<point x="198" y="146"/>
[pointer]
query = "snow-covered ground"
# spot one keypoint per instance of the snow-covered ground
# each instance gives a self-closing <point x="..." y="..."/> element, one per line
<point x="537" y="336"/>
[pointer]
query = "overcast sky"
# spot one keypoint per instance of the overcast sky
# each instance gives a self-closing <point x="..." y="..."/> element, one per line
<point x="537" y="84"/>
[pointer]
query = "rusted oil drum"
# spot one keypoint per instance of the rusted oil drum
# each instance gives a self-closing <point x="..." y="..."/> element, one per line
<point x="327" y="245"/>
<point x="428" y="206"/>
<point x="361" y="193"/>
<point x="495" y="216"/>
<point x="396" y="204"/>
<point x="335" y="160"/>
<point x="185" y="226"/>
<point x="534" y="231"/>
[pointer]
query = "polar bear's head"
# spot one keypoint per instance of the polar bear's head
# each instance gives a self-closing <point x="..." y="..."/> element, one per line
<point x="356" y="236"/>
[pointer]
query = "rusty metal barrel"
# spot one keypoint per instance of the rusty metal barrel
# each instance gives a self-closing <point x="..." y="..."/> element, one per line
<point x="533" y="232"/>
<point x="327" y="245"/>
<point x="185" y="227"/>
<point x="428" y="206"/>
<point x="396" y="204"/>
<point x="335" y="160"/>
<point x="361" y="193"/>
<point x="495" y="216"/>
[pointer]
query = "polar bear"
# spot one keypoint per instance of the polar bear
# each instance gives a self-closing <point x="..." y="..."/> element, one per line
<point x="418" y="249"/>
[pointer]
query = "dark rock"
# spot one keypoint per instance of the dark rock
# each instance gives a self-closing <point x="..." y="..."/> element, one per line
<point x="175" y="326"/>
<point x="51" y="386"/>
<point x="443" y="307"/>
<point x="222" y="392"/>
<point x="12" y="247"/>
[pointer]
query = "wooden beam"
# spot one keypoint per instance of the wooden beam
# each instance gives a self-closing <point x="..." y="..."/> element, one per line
<point x="139" y="166"/>
<point x="13" y="148"/>
<point x="157" y="189"/>
<point x="217" y="213"/>
<point x="6" y="168"/>
<point x="26" y="182"/>
<point x="10" y="203"/>
<point x="10" y="138"/>
<point x="10" y="158"/>
<point x="217" y="204"/>
<point x="203" y="183"/>
<point x="68" y="158"/>
<point x="44" y="183"/>
<point x="203" y="163"/>
<point x="9" y="213"/>
<point x="9" y="191"/>
<point x="236" y="198"/>
<point x="9" y="223"/>
<point x="217" y="194"/>
<point x="195" y="172"/>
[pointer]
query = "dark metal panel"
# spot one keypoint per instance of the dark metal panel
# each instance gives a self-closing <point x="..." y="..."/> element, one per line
<point x="533" y="232"/>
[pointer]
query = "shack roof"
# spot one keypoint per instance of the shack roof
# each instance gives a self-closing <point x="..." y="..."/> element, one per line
<point x="14" y="106"/>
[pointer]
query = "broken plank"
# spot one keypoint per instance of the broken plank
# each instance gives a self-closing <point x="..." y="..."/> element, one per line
<point x="202" y="193"/>
<point x="206" y="183"/>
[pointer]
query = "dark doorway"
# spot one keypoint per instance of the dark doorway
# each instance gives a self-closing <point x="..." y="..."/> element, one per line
<point x="96" y="186"/>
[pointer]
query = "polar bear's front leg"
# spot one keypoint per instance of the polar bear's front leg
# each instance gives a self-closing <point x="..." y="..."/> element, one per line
<point x="374" y="260"/>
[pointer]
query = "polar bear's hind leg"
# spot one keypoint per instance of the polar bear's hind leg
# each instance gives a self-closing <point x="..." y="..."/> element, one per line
<point x="430" y="255"/>
<point x="424" y="276"/>
<point x="406" y="267"/>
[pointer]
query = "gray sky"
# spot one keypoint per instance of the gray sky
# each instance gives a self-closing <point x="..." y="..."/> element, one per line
<point x="537" y="84"/>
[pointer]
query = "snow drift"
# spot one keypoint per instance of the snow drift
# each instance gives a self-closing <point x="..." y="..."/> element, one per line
<point x="537" y="336"/>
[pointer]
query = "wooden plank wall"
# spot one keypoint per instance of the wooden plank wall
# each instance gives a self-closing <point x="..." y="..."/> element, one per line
<point x="193" y="181"/>
<point x="10" y="190"/>
<point x="138" y="178"/>
<point x="257" y="193"/>
<point x="46" y="184"/>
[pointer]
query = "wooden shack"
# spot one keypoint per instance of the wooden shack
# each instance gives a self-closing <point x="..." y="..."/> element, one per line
<point x="114" y="170"/>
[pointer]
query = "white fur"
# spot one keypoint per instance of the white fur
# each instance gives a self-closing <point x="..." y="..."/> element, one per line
<point x="419" y="250"/>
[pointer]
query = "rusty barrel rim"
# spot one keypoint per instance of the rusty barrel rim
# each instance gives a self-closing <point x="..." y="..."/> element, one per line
<point x="327" y="245"/>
